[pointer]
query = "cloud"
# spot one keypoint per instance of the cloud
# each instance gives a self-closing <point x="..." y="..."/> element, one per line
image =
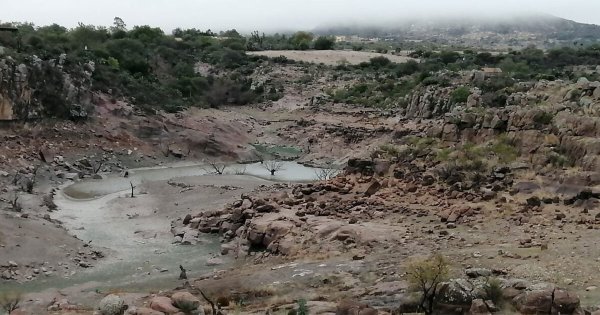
<point x="274" y="15"/>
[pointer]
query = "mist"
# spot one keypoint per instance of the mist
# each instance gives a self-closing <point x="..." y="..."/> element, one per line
<point x="281" y="15"/>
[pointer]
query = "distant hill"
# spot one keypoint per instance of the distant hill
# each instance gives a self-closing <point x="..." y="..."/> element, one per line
<point x="544" y="30"/>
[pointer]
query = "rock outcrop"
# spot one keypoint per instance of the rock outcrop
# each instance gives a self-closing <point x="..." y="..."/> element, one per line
<point x="35" y="88"/>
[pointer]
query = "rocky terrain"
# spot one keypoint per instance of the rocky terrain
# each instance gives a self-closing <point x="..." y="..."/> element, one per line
<point x="507" y="195"/>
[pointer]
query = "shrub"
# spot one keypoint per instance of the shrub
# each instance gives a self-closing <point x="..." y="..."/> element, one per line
<point x="324" y="43"/>
<point x="379" y="62"/>
<point x="493" y="290"/>
<point x="425" y="276"/>
<point x="9" y="301"/>
<point x="302" y="308"/>
<point x="558" y="160"/>
<point x="543" y="118"/>
<point x="460" y="95"/>
<point x="504" y="150"/>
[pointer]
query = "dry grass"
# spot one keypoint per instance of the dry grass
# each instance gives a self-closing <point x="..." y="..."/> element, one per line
<point x="329" y="57"/>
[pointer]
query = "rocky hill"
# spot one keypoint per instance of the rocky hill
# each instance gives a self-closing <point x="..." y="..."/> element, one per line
<point x="543" y="30"/>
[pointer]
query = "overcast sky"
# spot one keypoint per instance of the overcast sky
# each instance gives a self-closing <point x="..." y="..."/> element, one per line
<point x="272" y="15"/>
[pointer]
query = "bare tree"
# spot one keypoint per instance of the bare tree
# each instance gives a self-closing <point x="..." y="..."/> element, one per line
<point x="273" y="166"/>
<point x="326" y="173"/>
<point x="215" y="167"/>
<point x="132" y="187"/>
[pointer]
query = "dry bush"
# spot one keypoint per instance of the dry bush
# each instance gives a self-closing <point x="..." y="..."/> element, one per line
<point x="215" y="167"/>
<point x="9" y="301"/>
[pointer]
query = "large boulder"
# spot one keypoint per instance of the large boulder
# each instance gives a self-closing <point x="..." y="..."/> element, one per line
<point x="143" y="311"/>
<point x="455" y="296"/>
<point x="549" y="300"/>
<point x="112" y="305"/>
<point x="478" y="307"/>
<point x="350" y="307"/>
<point x="163" y="304"/>
<point x="185" y="301"/>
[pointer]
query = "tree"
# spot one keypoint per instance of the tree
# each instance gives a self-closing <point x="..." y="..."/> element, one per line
<point x="449" y="56"/>
<point x="324" y="43"/>
<point x="425" y="276"/>
<point x="216" y="167"/>
<point x="326" y="173"/>
<point x="119" y="25"/>
<point x="132" y="188"/>
<point x="301" y="40"/>
<point x="9" y="301"/>
<point x="273" y="166"/>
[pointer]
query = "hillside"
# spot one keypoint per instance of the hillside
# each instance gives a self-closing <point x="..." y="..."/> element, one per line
<point x="546" y="30"/>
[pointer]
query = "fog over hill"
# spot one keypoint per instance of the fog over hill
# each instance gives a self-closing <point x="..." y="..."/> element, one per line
<point x="277" y="16"/>
<point x="550" y="26"/>
<point x="489" y="31"/>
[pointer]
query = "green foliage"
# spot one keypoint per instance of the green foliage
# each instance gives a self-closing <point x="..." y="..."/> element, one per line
<point x="460" y="95"/>
<point x="504" y="149"/>
<point x="379" y="62"/>
<point x="448" y="57"/>
<point x="389" y="151"/>
<point x="149" y="68"/>
<point x="113" y="63"/>
<point x="493" y="291"/>
<point x="558" y="160"/>
<point x="302" y="307"/>
<point x="543" y="118"/>
<point x="302" y="40"/>
<point x="324" y="43"/>
<point x="425" y="276"/>
<point x="381" y="94"/>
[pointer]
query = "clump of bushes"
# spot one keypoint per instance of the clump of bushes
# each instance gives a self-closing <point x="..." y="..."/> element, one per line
<point x="460" y="95"/>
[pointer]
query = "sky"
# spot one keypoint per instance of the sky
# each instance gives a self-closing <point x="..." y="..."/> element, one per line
<point x="276" y="15"/>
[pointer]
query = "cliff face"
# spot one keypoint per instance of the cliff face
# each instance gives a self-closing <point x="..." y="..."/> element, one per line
<point x="550" y="117"/>
<point x="39" y="88"/>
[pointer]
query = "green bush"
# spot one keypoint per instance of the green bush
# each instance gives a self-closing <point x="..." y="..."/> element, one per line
<point x="504" y="150"/>
<point x="460" y="95"/>
<point x="543" y="118"/>
<point x="493" y="291"/>
<point x="379" y="62"/>
<point x="302" y="308"/>
<point x="324" y="43"/>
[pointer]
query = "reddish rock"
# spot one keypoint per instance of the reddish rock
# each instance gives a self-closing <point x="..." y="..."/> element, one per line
<point x="478" y="307"/>
<point x="350" y="307"/>
<point x="185" y="300"/>
<point x="163" y="304"/>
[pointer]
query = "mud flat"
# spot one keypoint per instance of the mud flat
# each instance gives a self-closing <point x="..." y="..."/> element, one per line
<point x="134" y="234"/>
